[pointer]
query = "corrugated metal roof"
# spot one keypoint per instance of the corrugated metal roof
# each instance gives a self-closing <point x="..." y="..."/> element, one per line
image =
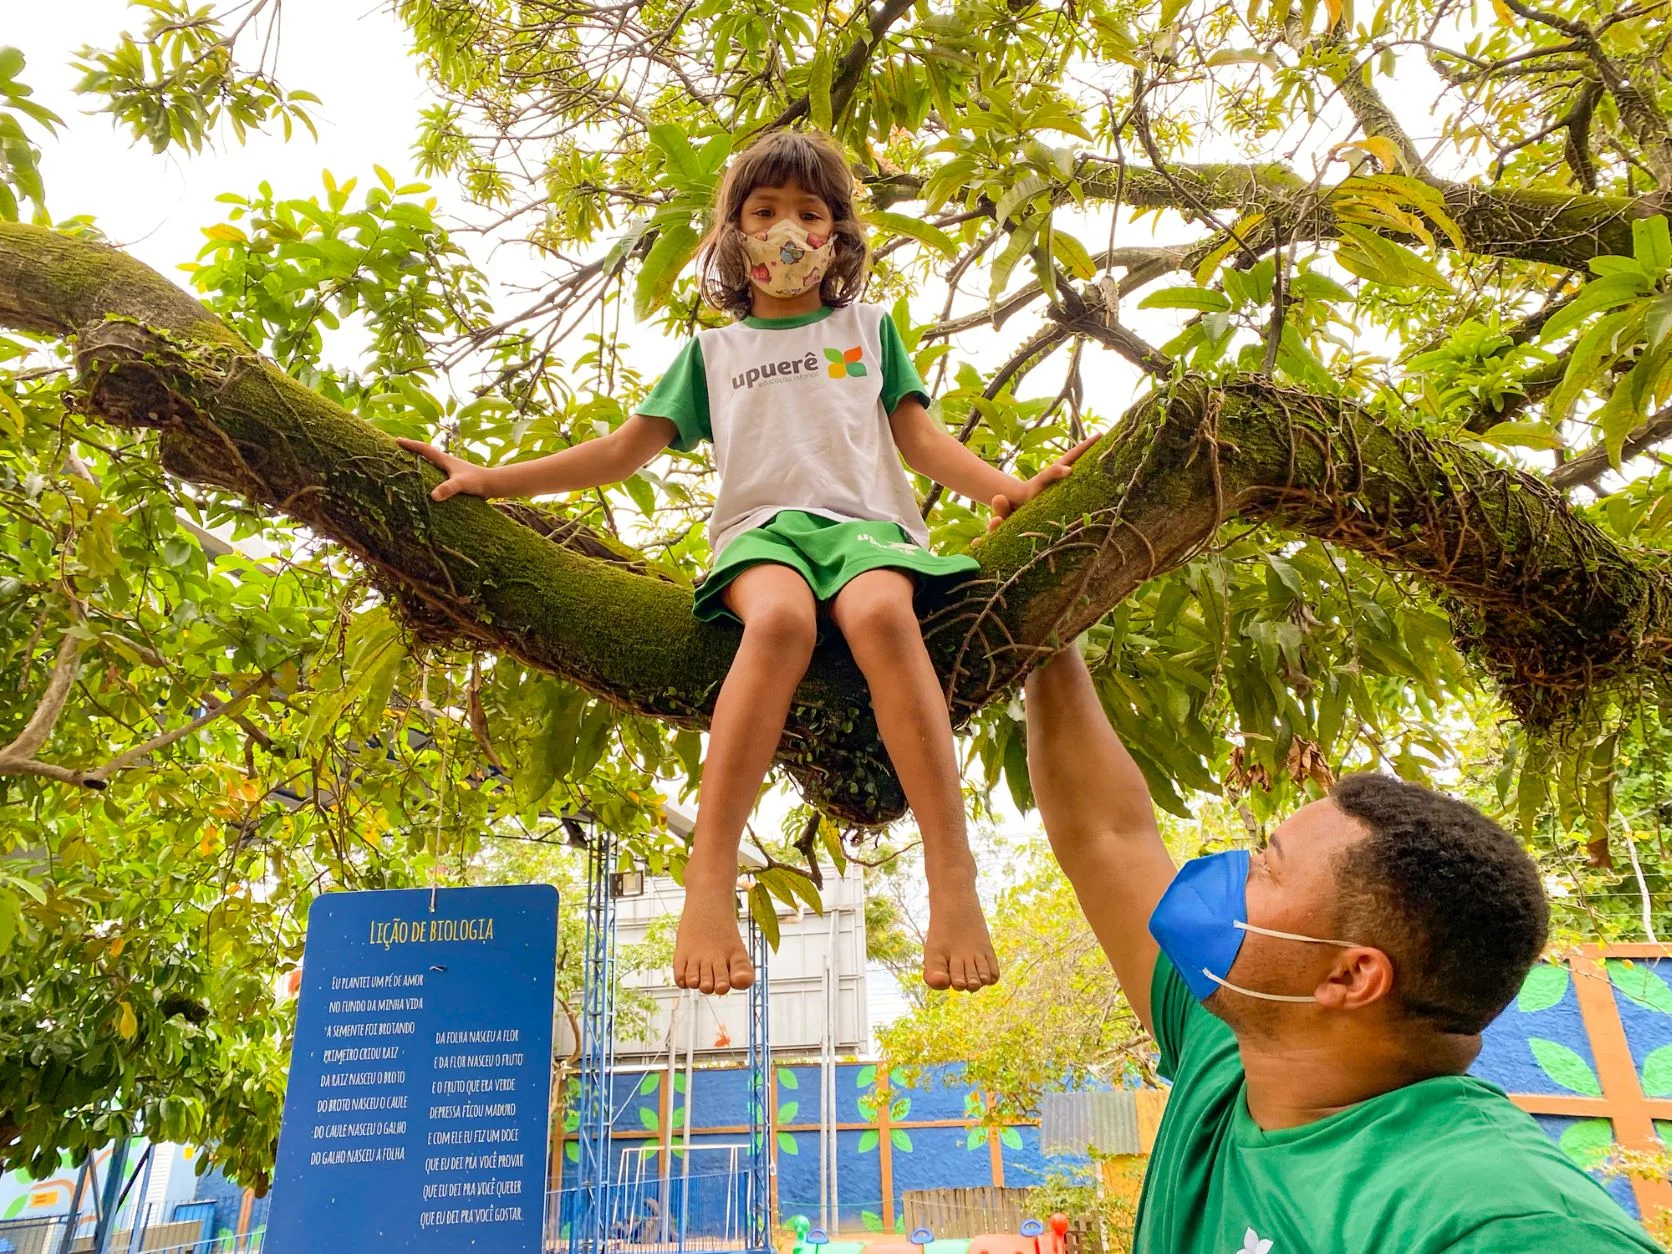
<point x="1071" y="1123"/>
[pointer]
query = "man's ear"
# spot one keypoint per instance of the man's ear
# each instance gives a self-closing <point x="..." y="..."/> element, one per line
<point x="1359" y="977"/>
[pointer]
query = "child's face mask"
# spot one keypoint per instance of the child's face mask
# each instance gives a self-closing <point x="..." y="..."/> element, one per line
<point x="784" y="260"/>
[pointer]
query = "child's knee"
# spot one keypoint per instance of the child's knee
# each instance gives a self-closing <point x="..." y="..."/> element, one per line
<point x="885" y="619"/>
<point x="786" y="627"/>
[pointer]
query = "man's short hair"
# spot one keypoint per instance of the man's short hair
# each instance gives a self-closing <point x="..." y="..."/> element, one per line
<point x="1452" y="898"/>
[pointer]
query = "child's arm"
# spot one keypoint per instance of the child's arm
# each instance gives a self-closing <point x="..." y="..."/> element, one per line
<point x="608" y="459"/>
<point x="931" y="450"/>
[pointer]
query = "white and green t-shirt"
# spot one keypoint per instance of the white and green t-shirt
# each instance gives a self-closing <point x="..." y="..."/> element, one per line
<point x="798" y="411"/>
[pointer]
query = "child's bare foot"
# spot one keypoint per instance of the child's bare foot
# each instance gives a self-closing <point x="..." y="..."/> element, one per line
<point x="708" y="952"/>
<point x="957" y="953"/>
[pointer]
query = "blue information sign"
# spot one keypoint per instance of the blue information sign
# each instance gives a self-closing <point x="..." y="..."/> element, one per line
<point x="420" y="1079"/>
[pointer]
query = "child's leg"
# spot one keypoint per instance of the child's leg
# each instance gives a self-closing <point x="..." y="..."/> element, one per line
<point x="779" y="628"/>
<point x="876" y="616"/>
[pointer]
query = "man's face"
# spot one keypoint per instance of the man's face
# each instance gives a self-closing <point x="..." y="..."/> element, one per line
<point x="1292" y="887"/>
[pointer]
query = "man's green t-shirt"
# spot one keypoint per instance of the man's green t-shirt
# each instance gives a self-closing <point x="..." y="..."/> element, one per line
<point x="1448" y="1164"/>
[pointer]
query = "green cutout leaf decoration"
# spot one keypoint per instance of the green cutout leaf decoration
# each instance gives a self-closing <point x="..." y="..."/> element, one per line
<point x="871" y="1220"/>
<point x="868" y="1141"/>
<point x="1545" y="985"/>
<point x="1564" y="1066"/>
<point x="786" y="1079"/>
<point x="1638" y="982"/>
<point x="975" y="1139"/>
<point x="1011" y="1139"/>
<point x="572" y="1152"/>
<point x="648" y="1119"/>
<point x="867" y="1076"/>
<point x="651" y="1083"/>
<point x="786" y="1144"/>
<point x="1588" y="1142"/>
<point x="1657" y="1072"/>
<point x="786" y="1112"/>
<point x="901" y="1140"/>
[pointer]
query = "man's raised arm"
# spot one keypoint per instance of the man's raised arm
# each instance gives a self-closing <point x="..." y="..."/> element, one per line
<point x="1099" y="817"/>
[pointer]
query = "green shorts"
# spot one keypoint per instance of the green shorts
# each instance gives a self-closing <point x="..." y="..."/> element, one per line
<point x="826" y="553"/>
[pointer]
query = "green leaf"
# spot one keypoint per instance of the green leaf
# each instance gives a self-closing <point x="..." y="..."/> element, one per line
<point x="1640" y="984"/>
<point x="868" y="1141"/>
<point x="1651" y="243"/>
<point x="1546" y="984"/>
<point x="649" y="1120"/>
<point x="1021" y="240"/>
<point x="1390" y="263"/>
<point x="1025" y="188"/>
<point x="1204" y="299"/>
<point x="1073" y="255"/>
<point x="900" y="1139"/>
<point x="787" y="1144"/>
<point x="1010" y="1138"/>
<point x="871" y="1220"/>
<point x="866" y="1077"/>
<point x="676" y="243"/>
<point x="786" y="1079"/>
<point x="651" y="1082"/>
<point x="786" y="1112"/>
<point x="818" y="88"/>
<point x="765" y="913"/>
<point x="1588" y="1142"/>
<point x="1523" y="434"/>
<point x="913" y="228"/>
<point x="1564" y="1066"/>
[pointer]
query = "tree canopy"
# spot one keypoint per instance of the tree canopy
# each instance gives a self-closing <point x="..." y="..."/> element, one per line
<point x="1374" y="304"/>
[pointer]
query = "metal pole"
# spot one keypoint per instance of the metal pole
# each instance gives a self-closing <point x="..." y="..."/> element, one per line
<point x="690" y="1081"/>
<point x="666" y="1191"/>
<point x="74" y="1220"/>
<point x="829" y="1106"/>
<point x="136" y="1230"/>
<point x="112" y="1186"/>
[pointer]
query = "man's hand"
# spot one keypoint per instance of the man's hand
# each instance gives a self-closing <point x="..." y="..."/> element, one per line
<point x="1027" y="489"/>
<point x="462" y="476"/>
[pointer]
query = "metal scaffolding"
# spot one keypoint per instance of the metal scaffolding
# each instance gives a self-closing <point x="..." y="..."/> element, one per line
<point x="600" y="1202"/>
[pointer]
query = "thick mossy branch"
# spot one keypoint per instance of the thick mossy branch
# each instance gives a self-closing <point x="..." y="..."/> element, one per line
<point x="1551" y="606"/>
<point x="1556" y="228"/>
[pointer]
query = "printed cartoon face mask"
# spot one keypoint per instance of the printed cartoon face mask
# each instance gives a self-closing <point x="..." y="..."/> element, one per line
<point x="784" y="260"/>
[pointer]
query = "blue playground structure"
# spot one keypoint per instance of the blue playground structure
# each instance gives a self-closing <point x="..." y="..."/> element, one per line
<point x="708" y="1198"/>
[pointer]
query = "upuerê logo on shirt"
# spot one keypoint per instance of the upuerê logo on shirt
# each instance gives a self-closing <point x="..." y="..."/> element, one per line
<point x="842" y="363"/>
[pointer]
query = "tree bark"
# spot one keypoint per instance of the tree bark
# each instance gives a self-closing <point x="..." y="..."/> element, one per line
<point x="1547" y="603"/>
<point x="1555" y="228"/>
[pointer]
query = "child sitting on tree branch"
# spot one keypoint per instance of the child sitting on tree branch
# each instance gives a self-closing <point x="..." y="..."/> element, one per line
<point x="810" y="399"/>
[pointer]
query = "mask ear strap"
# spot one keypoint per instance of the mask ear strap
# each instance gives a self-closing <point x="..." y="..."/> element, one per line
<point x="1310" y="940"/>
<point x="1248" y="992"/>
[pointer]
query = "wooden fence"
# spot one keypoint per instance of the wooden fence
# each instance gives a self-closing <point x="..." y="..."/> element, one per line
<point x="969" y="1213"/>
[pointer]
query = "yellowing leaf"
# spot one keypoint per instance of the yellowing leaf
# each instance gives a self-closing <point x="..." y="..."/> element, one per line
<point x="1333" y="8"/>
<point x="225" y="231"/>
<point x="1505" y="14"/>
<point x="126" y="1022"/>
<point x="13" y="414"/>
<point x="1383" y="149"/>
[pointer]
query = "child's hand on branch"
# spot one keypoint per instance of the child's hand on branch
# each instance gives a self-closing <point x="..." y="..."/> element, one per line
<point x="462" y="476"/>
<point x="1005" y="505"/>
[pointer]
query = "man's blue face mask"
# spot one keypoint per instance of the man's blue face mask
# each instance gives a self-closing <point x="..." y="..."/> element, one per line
<point x="1202" y="918"/>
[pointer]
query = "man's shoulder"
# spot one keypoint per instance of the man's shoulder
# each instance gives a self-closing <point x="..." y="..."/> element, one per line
<point x="1493" y="1170"/>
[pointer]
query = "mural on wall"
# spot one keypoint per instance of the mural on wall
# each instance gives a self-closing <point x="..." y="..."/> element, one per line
<point x="893" y="1135"/>
<point x="1586" y="1049"/>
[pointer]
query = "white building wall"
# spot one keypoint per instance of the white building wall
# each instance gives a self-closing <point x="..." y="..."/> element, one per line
<point x="797" y="970"/>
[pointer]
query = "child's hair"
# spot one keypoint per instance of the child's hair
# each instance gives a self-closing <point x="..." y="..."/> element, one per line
<point x="815" y="162"/>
